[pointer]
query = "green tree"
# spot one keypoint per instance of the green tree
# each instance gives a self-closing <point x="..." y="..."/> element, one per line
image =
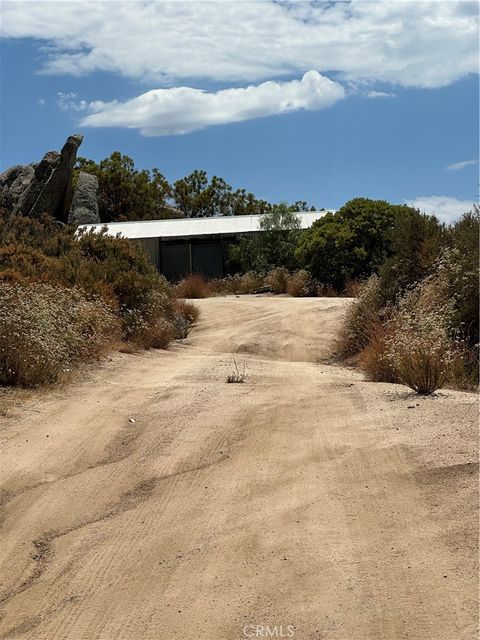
<point x="273" y="246"/>
<point x="416" y="241"/>
<point x="197" y="196"/>
<point x="127" y="193"/>
<point x="350" y="244"/>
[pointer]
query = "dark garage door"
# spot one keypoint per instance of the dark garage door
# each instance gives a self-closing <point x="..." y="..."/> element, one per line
<point x="175" y="261"/>
<point x="207" y="259"/>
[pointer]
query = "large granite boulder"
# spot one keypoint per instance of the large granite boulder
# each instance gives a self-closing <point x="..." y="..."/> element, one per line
<point x="13" y="183"/>
<point x="50" y="189"/>
<point x="84" y="208"/>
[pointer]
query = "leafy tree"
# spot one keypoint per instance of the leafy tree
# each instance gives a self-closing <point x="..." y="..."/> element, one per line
<point x="274" y="246"/>
<point x="416" y="241"/>
<point x="127" y="193"/>
<point x="350" y="244"/>
<point x="463" y="264"/>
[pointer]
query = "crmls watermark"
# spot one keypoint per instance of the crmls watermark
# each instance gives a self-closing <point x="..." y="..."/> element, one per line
<point x="268" y="631"/>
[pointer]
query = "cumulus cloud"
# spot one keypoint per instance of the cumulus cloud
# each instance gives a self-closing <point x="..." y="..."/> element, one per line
<point x="458" y="166"/>
<point x="446" y="208"/>
<point x="419" y="44"/>
<point x="180" y="110"/>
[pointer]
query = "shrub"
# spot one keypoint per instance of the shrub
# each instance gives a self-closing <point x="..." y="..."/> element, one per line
<point x="186" y="315"/>
<point x="353" y="288"/>
<point x="276" y="279"/>
<point x="156" y="334"/>
<point x="27" y="262"/>
<point x="360" y="320"/>
<point x="225" y="286"/>
<point x="300" y="284"/>
<point x="114" y="265"/>
<point x="249" y="282"/>
<point x="116" y="269"/>
<point x="373" y="358"/>
<point x="419" y="344"/>
<point x="187" y="310"/>
<point x="45" y="330"/>
<point x="460" y="264"/>
<point x="193" y="286"/>
<point x="155" y="323"/>
<point x="349" y="244"/>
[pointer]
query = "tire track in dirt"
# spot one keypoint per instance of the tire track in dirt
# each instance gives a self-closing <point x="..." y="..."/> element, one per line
<point x="273" y="502"/>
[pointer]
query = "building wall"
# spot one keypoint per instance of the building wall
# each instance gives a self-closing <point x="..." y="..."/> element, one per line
<point x="177" y="258"/>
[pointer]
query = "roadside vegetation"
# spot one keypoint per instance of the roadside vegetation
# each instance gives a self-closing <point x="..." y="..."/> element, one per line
<point x="417" y="321"/>
<point x="68" y="299"/>
<point x="415" y="283"/>
<point x="415" y="280"/>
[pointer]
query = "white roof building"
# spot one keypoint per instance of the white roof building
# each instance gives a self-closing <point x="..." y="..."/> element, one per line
<point x="195" y="227"/>
<point x="181" y="246"/>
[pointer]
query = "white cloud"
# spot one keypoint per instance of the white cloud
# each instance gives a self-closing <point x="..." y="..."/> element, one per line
<point x="182" y="109"/>
<point x="41" y="102"/>
<point x="380" y="94"/>
<point x="457" y="166"/>
<point x="446" y="208"/>
<point x="69" y="102"/>
<point x="412" y="43"/>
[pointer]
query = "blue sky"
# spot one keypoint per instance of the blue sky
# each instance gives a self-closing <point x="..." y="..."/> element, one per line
<point x="306" y="101"/>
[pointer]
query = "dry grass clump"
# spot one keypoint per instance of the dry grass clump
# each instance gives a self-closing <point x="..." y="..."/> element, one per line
<point x="193" y="286"/>
<point x="224" y="286"/>
<point x="353" y="288"/>
<point x="277" y="279"/>
<point x="45" y="330"/>
<point x="186" y="315"/>
<point x="250" y="282"/>
<point x="300" y="284"/>
<point x="361" y="319"/>
<point x="187" y="310"/>
<point x="373" y="358"/>
<point x="152" y="325"/>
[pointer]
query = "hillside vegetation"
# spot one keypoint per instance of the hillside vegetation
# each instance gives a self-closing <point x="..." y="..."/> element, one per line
<point x="71" y="297"/>
<point x="416" y="322"/>
<point x="68" y="299"/>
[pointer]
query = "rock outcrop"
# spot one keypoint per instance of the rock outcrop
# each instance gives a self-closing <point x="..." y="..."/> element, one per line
<point x="33" y="190"/>
<point x="84" y="208"/>
<point x="13" y="183"/>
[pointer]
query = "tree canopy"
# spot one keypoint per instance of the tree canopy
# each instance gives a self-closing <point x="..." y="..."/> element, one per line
<point x="127" y="193"/>
<point x="274" y="247"/>
<point x="351" y="243"/>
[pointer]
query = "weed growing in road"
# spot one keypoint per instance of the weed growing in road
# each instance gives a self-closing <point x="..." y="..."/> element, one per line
<point x="237" y="376"/>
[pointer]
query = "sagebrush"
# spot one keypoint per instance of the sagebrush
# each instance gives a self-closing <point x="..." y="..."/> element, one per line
<point x="45" y="330"/>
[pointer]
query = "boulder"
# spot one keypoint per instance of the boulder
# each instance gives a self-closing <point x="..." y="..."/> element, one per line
<point x="50" y="189"/>
<point x="13" y="183"/>
<point x="84" y="208"/>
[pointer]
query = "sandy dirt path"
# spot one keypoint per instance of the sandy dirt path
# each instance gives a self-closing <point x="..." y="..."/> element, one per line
<point x="154" y="501"/>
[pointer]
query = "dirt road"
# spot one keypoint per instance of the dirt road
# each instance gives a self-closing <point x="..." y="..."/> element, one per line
<point x="155" y="501"/>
